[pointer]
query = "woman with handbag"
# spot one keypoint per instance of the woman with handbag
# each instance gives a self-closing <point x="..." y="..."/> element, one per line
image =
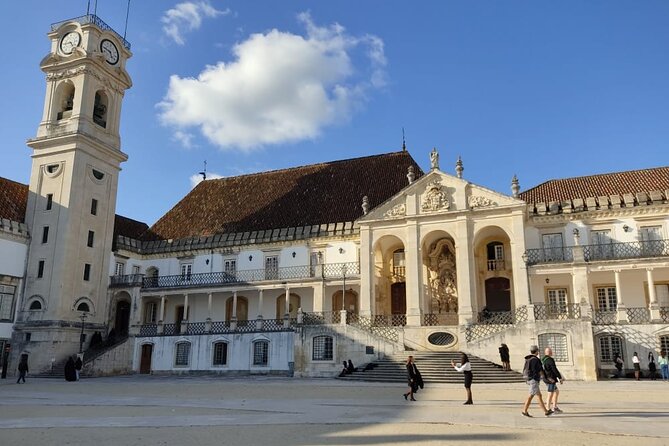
<point x="413" y="377"/>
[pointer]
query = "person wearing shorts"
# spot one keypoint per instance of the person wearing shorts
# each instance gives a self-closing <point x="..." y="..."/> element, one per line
<point x="553" y="377"/>
<point x="535" y="375"/>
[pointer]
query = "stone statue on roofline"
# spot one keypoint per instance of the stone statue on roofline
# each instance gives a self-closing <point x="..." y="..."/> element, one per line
<point x="434" y="159"/>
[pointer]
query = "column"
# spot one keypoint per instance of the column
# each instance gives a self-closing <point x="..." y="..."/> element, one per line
<point x="161" y="316"/>
<point x="621" y="312"/>
<point x="286" y="314"/>
<point x="521" y="273"/>
<point x="366" y="274"/>
<point x="234" y="306"/>
<point x="319" y="292"/>
<point x="207" y="322"/>
<point x="655" y="315"/>
<point x="259" y="320"/>
<point x="413" y="274"/>
<point x="185" y="307"/>
<point x="581" y="291"/>
<point x="464" y="267"/>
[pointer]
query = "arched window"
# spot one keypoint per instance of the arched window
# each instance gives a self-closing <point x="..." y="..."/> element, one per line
<point x="220" y="353"/>
<point x="609" y="347"/>
<point x="398" y="263"/>
<point x="322" y="348"/>
<point x="557" y="342"/>
<point x="261" y="353"/>
<point x="64" y="100"/>
<point x="182" y="354"/>
<point x="83" y="307"/>
<point x="100" y="109"/>
<point x="35" y="305"/>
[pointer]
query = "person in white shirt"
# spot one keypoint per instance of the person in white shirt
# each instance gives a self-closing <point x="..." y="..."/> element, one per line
<point x="637" y="366"/>
<point x="465" y="367"/>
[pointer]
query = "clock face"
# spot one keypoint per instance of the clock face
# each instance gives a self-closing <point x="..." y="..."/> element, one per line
<point x="110" y="51"/>
<point x="70" y="42"/>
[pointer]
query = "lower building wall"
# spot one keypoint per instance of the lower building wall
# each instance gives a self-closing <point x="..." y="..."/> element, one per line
<point x="239" y="353"/>
<point x="117" y="361"/>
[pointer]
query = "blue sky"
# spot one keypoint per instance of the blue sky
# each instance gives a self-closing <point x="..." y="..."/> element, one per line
<point x="542" y="89"/>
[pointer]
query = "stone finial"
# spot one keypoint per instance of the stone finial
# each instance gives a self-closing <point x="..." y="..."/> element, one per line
<point x="434" y="159"/>
<point x="515" y="186"/>
<point x="459" y="167"/>
<point x="365" y="205"/>
<point x="411" y="176"/>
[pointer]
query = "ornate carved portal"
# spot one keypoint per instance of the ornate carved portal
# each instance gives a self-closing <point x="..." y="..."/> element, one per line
<point x="442" y="277"/>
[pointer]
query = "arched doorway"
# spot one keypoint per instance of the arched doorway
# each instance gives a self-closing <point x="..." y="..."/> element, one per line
<point x="293" y="305"/>
<point x="350" y="301"/>
<point x="498" y="294"/>
<point x="122" y="317"/>
<point x="242" y="309"/>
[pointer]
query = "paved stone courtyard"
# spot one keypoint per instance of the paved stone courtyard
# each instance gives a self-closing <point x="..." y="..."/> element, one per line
<point x="149" y="410"/>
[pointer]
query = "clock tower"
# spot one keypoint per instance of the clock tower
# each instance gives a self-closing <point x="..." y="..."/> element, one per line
<point x="72" y="194"/>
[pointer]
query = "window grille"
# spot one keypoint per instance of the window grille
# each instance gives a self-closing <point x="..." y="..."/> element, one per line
<point x="322" y="348"/>
<point x="606" y="299"/>
<point x="609" y="347"/>
<point x="558" y="343"/>
<point x="664" y="343"/>
<point x="260" y="352"/>
<point x="220" y="353"/>
<point x="183" y="354"/>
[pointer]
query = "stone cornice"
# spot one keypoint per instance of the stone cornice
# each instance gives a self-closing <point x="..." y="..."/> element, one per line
<point x="636" y="211"/>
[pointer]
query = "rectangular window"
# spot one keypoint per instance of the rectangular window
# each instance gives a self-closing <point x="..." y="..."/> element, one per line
<point x="182" y="354"/>
<point x="607" y="299"/>
<point x="609" y="348"/>
<point x="186" y="271"/>
<point x="602" y="244"/>
<point x="45" y="234"/>
<point x="49" y="201"/>
<point x="40" y="269"/>
<point x="230" y="267"/>
<point x="135" y="269"/>
<point x="398" y="263"/>
<point x="220" y="353"/>
<point x="87" y="271"/>
<point x="119" y="269"/>
<point x="6" y="303"/>
<point x="272" y="267"/>
<point x="94" y="207"/>
<point x="553" y="246"/>
<point x="651" y="241"/>
<point x="150" y="312"/>
<point x="260" y="352"/>
<point x="91" y="238"/>
<point x="557" y="300"/>
<point x="322" y="348"/>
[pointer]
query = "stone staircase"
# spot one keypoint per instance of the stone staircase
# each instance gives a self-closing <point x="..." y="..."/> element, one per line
<point x="57" y="371"/>
<point x="435" y="367"/>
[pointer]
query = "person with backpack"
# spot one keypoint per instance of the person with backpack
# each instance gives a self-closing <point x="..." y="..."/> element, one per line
<point x="533" y="373"/>
<point x="553" y="377"/>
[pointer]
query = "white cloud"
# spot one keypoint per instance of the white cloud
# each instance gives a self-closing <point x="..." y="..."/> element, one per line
<point x="280" y="87"/>
<point x="187" y="16"/>
<point x="197" y="178"/>
<point x="185" y="138"/>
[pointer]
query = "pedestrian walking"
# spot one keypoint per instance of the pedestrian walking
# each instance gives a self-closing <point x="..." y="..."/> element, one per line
<point x="504" y="357"/>
<point x="23" y="369"/>
<point x="78" y="365"/>
<point x="414" y="379"/>
<point x="664" y="365"/>
<point x="652" y="368"/>
<point x="70" y="373"/>
<point x="618" y="363"/>
<point x="465" y="367"/>
<point x="637" y="366"/>
<point x="533" y="373"/>
<point x="553" y="377"/>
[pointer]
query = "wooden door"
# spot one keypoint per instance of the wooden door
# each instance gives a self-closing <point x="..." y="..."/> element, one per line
<point x="498" y="294"/>
<point x="145" y="360"/>
<point x="398" y="298"/>
<point x="122" y="317"/>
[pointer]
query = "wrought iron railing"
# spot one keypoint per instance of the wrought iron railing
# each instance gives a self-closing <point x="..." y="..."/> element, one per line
<point x="329" y="271"/>
<point x="218" y="327"/>
<point x="494" y="322"/>
<point x="495" y="265"/>
<point x="389" y="320"/>
<point x="549" y="255"/>
<point x="627" y="250"/>
<point x="638" y="315"/>
<point x="321" y="318"/>
<point x="92" y="18"/>
<point x="557" y="311"/>
<point x="604" y="317"/>
<point x="148" y="330"/>
<point x="664" y="314"/>
<point x="126" y="280"/>
<point x="440" y="319"/>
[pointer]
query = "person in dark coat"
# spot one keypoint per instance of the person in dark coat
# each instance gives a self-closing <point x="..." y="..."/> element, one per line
<point x="23" y="369"/>
<point x="553" y="377"/>
<point x="652" y="368"/>
<point x="70" y="371"/>
<point x="504" y="357"/>
<point x="350" y="368"/>
<point x="618" y="363"/>
<point x="414" y="379"/>
<point x="78" y="364"/>
<point x="344" y="371"/>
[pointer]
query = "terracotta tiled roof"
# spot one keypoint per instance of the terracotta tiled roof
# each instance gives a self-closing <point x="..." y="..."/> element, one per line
<point x="617" y="183"/>
<point x="13" y="200"/>
<point x="300" y="196"/>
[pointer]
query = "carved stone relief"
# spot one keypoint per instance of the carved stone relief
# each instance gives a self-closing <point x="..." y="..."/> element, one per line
<point x="442" y="277"/>
<point x="476" y="201"/>
<point x="435" y="198"/>
<point x="398" y="210"/>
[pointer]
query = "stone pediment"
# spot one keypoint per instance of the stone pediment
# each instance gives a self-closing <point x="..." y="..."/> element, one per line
<point x="437" y="193"/>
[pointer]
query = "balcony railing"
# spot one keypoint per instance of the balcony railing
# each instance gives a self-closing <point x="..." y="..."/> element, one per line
<point x="557" y="311"/>
<point x="604" y="317"/>
<point x="440" y="319"/>
<point x="219" y="327"/>
<point x="127" y="280"/>
<point x="638" y="315"/>
<point x="92" y="18"/>
<point x="628" y="250"/>
<point x="325" y="271"/>
<point x="495" y="265"/>
<point x="549" y="255"/>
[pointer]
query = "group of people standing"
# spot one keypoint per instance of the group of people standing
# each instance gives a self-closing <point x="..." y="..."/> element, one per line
<point x="662" y="361"/>
<point x="415" y="379"/>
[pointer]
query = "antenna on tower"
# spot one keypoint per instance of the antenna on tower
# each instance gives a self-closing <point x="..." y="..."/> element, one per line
<point x="204" y="172"/>
<point x="88" y="7"/>
<point x="95" y="8"/>
<point x="127" y="13"/>
<point x="404" y="143"/>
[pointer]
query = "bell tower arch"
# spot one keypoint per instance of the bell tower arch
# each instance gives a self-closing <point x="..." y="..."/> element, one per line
<point x="76" y="160"/>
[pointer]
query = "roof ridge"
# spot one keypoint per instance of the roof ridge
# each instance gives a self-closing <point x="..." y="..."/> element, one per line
<point x="15" y="182"/>
<point x="596" y="175"/>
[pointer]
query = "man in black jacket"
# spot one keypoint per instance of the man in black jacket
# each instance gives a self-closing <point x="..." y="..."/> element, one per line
<point x="553" y="377"/>
<point x="534" y="373"/>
